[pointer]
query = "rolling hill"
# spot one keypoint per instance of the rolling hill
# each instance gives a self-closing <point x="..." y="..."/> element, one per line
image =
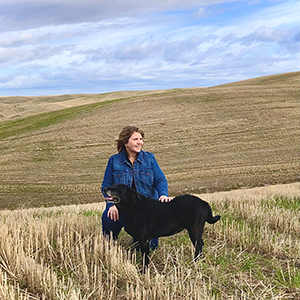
<point x="54" y="149"/>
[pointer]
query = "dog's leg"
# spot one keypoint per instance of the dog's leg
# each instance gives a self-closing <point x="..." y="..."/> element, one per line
<point x="195" y="234"/>
<point x="198" y="249"/>
<point x="145" y="253"/>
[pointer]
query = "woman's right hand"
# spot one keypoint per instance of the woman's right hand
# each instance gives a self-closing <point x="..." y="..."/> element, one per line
<point x="113" y="213"/>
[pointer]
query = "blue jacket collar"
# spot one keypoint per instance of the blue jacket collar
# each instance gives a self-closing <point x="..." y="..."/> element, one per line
<point x="124" y="159"/>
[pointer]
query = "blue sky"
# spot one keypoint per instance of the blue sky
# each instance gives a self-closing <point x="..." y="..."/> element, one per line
<point x="56" y="47"/>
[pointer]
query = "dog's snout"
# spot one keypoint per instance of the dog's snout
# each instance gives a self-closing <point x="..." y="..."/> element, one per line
<point x="107" y="192"/>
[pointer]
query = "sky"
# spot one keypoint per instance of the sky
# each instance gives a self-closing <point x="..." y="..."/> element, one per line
<point x="52" y="47"/>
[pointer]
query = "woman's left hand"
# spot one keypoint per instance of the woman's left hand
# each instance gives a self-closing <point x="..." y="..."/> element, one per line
<point x="165" y="199"/>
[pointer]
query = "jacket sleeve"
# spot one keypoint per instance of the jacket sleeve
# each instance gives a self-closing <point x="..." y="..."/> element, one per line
<point x="108" y="176"/>
<point x="160" y="181"/>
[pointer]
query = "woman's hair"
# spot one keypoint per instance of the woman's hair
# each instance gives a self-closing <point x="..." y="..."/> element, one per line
<point x="125" y="135"/>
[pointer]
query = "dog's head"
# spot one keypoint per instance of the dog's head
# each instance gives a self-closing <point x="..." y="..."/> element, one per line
<point x="119" y="193"/>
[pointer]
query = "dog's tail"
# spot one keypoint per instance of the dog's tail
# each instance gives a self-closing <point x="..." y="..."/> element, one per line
<point x="212" y="219"/>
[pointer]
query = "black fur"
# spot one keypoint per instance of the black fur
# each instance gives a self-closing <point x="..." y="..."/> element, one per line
<point x="145" y="218"/>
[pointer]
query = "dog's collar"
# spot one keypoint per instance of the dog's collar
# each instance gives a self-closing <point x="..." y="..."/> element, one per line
<point x="112" y="200"/>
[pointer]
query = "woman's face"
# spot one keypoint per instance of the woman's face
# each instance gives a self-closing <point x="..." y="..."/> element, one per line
<point x="135" y="143"/>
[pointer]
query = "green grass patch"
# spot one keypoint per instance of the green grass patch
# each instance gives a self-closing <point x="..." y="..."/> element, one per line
<point x="292" y="203"/>
<point x="288" y="276"/>
<point x="287" y="203"/>
<point x="91" y="213"/>
<point x="37" y="122"/>
<point x="45" y="214"/>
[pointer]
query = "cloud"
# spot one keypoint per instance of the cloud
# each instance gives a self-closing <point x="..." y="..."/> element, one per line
<point x="200" y="13"/>
<point x="26" y="14"/>
<point x="63" y="47"/>
<point x="271" y="35"/>
<point x="20" y="55"/>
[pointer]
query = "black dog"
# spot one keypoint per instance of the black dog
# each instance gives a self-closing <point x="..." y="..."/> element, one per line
<point x="145" y="218"/>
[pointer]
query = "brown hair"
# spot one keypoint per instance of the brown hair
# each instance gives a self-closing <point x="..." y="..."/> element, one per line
<point x="125" y="135"/>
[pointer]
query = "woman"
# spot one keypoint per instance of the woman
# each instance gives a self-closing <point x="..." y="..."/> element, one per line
<point x="136" y="168"/>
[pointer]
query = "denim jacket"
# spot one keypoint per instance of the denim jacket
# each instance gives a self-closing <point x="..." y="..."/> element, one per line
<point x="148" y="178"/>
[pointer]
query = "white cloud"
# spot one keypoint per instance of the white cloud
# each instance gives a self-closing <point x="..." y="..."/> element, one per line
<point x="200" y="13"/>
<point x="136" y="48"/>
<point x="25" y="14"/>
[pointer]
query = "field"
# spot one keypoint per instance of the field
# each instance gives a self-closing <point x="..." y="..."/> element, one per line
<point x="235" y="145"/>
<point x="243" y="134"/>
<point x="251" y="253"/>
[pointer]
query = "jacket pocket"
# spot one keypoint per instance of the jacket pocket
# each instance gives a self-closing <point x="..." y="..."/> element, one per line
<point x="120" y="176"/>
<point x="147" y="176"/>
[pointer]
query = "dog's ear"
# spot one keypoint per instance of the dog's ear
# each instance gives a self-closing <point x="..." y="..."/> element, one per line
<point x="133" y="194"/>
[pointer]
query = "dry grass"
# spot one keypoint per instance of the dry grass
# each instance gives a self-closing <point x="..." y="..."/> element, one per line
<point x="244" y="134"/>
<point x="252" y="253"/>
<point x="16" y="107"/>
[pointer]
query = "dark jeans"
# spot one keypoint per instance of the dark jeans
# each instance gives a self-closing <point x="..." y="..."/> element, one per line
<point x="114" y="227"/>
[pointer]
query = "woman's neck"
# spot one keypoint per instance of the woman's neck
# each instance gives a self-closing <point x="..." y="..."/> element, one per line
<point x="132" y="157"/>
